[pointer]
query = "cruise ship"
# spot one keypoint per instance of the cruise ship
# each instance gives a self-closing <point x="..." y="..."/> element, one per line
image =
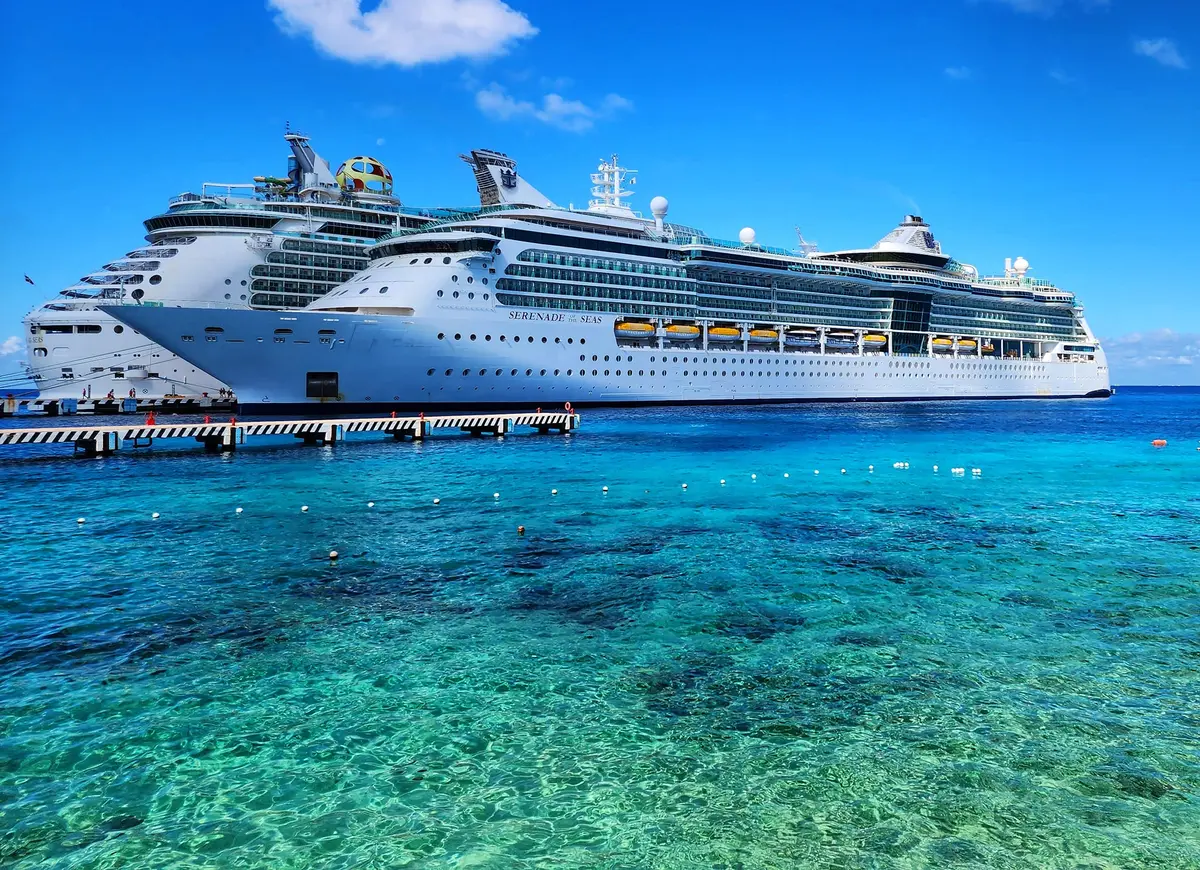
<point x="522" y="302"/>
<point x="278" y="242"/>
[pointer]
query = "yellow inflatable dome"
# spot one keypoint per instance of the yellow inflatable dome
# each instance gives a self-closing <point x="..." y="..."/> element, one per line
<point x="364" y="175"/>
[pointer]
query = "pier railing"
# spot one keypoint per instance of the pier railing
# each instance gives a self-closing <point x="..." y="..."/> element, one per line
<point x="104" y="440"/>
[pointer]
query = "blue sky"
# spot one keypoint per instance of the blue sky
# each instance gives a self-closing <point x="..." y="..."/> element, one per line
<point x="1064" y="131"/>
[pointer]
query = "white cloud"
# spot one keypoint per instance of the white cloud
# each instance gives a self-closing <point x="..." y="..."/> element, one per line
<point x="405" y="32"/>
<point x="1161" y="356"/>
<point x="379" y="141"/>
<point x="957" y="72"/>
<point x="1046" y="8"/>
<point x="1162" y="50"/>
<point x="11" y="345"/>
<point x="554" y="109"/>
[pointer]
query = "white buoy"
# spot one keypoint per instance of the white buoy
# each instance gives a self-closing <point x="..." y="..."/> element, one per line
<point x="843" y="471"/>
<point x="495" y="495"/>
<point x="81" y="521"/>
<point x="437" y="501"/>
<point x="685" y="486"/>
<point x="303" y="508"/>
<point x="154" y="516"/>
<point x="370" y="504"/>
<point x="816" y="471"/>
<point x="238" y="511"/>
<point x="606" y="489"/>
<point x="723" y="479"/>
<point x="333" y="554"/>
<point x="935" y="469"/>
<point x="785" y="474"/>
<point x="554" y="492"/>
<point x="871" y="469"/>
<point x="754" y="477"/>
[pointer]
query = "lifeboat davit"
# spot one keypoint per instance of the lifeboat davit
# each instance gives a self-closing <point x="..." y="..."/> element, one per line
<point x="874" y="342"/>
<point x="724" y="333"/>
<point x="943" y="345"/>
<point x="764" y="336"/>
<point x="801" y="338"/>
<point x="682" y="332"/>
<point x="632" y="329"/>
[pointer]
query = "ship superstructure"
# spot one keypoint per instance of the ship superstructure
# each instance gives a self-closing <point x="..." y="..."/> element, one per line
<point x="279" y="242"/>
<point x="527" y="302"/>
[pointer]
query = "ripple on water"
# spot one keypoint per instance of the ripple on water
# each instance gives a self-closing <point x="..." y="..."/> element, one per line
<point x="892" y="670"/>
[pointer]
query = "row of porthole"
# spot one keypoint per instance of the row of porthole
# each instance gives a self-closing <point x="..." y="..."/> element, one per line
<point x="663" y="373"/>
<point x="442" y="293"/>
<point x="458" y="337"/>
<point x="470" y="279"/>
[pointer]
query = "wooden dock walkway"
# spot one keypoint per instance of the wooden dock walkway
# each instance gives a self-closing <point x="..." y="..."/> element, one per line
<point x="104" y="440"/>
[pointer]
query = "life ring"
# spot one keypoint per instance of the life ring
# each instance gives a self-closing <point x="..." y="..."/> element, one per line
<point x="568" y="407"/>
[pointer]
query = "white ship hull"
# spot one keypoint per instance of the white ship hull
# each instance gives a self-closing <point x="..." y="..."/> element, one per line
<point x="512" y="358"/>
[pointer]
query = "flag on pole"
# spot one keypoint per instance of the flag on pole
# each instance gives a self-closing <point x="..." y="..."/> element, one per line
<point x="29" y="280"/>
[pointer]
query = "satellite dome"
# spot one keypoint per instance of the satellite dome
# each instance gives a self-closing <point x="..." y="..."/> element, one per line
<point x="364" y="175"/>
<point x="747" y="236"/>
<point x="1021" y="264"/>
<point x="658" y="206"/>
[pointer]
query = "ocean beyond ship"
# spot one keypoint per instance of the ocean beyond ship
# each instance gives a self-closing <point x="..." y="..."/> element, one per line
<point x="275" y="243"/>
<point x="524" y="302"/>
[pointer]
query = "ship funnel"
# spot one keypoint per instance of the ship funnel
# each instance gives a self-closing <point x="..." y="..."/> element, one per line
<point x="498" y="183"/>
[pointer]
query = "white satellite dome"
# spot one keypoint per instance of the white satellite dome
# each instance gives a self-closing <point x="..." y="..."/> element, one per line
<point x="658" y="206"/>
<point x="747" y="236"/>
<point x="1021" y="265"/>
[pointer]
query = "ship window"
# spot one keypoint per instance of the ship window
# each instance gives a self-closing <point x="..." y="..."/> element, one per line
<point x="326" y="332"/>
<point x="485" y="296"/>
<point x="363" y="290"/>
<point x="472" y="336"/>
<point x="228" y="281"/>
<point x="215" y="329"/>
<point x="429" y="259"/>
<point x="429" y="372"/>
<point x="484" y="280"/>
<point x="441" y="293"/>
<point x="455" y="294"/>
<point x="89" y="327"/>
<point x="279" y="331"/>
<point x="382" y="289"/>
<point x="445" y="260"/>
<point x="118" y="329"/>
<point x="156" y="279"/>
<point x="412" y="262"/>
<point x="470" y="295"/>
<point x="487" y="338"/>
<point x="454" y="278"/>
<point x="39" y="351"/>
<point x="470" y="280"/>
<point x="457" y="336"/>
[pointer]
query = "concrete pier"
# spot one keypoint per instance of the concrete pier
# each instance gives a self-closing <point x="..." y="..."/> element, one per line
<point x="220" y="437"/>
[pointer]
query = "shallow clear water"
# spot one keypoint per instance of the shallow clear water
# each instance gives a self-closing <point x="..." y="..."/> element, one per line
<point x="887" y="669"/>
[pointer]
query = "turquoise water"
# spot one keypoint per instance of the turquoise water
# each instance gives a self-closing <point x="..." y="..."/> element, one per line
<point x="887" y="669"/>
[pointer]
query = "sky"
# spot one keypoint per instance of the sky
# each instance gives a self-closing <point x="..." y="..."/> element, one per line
<point x="1063" y="131"/>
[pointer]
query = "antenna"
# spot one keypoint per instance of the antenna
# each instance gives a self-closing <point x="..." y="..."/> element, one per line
<point x="606" y="187"/>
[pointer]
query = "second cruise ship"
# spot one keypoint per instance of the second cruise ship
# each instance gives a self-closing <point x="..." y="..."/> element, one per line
<point x="278" y="242"/>
<point x="523" y="302"/>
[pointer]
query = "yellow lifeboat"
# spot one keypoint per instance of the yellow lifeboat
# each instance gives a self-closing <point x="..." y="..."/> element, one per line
<point x="632" y="329"/>
<point x="988" y="349"/>
<point x="967" y="345"/>
<point x="723" y="333"/>
<point x="871" y="341"/>
<point x="943" y="345"/>
<point x="682" y="332"/>
<point x="763" y="336"/>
